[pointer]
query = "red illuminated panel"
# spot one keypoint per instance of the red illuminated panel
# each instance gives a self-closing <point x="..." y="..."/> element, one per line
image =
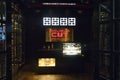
<point x="59" y="35"/>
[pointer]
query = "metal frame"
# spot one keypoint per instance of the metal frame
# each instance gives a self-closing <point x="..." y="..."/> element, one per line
<point x="107" y="56"/>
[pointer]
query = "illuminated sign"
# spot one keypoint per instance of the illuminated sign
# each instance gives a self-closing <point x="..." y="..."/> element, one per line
<point x="71" y="49"/>
<point x="46" y="62"/>
<point x="59" y="35"/>
<point x="56" y="21"/>
<point x="2" y="34"/>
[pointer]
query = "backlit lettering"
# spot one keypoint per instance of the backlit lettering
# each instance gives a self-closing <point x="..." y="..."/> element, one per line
<point x="56" y="21"/>
<point x="59" y="33"/>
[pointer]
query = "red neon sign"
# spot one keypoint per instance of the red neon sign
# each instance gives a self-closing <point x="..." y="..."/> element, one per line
<point x="59" y="33"/>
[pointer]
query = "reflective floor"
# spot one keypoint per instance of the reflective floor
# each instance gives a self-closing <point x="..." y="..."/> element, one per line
<point x="27" y="74"/>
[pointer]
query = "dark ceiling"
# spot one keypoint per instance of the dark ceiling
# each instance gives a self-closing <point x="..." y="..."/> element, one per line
<point x="29" y="5"/>
<point x="40" y="1"/>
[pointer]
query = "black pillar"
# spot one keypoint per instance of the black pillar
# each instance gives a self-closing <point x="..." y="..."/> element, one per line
<point x="8" y="40"/>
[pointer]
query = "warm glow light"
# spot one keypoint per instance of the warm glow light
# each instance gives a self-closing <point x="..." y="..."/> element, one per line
<point x="59" y="34"/>
<point x="46" y="62"/>
<point x="71" y="49"/>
